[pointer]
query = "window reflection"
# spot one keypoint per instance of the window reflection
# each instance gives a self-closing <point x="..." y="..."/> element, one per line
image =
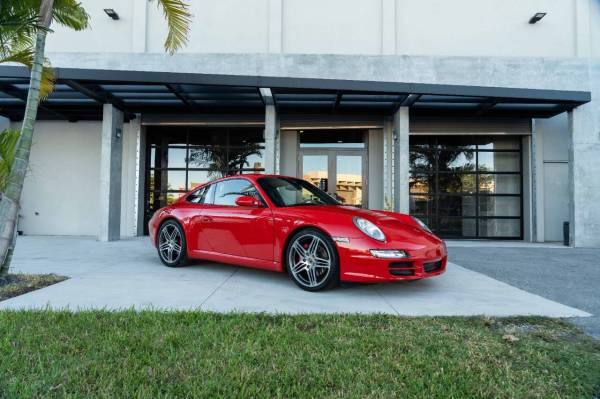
<point x="182" y="158"/>
<point x="467" y="186"/>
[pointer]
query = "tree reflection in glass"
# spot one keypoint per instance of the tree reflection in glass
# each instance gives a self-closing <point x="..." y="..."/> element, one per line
<point x="220" y="162"/>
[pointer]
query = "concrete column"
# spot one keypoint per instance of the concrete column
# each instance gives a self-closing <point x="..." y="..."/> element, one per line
<point x="271" y="139"/>
<point x="288" y="160"/>
<point x="388" y="27"/>
<point x="111" y="158"/>
<point x="388" y="164"/>
<point x="584" y="170"/>
<point x="140" y="177"/>
<point x="401" y="160"/>
<point x="375" y="169"/>
<point x="537" y="185"/>
<point x="275" y="26"/>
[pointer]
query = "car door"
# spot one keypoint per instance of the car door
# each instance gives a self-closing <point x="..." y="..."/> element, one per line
<point x="196" y="204"/>
<point x="234" y="230"/>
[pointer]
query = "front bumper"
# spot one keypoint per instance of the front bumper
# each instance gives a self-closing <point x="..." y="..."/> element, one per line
<point x="358" y="265"/>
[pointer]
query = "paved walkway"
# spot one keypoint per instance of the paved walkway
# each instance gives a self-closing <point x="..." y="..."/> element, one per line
<point x="128" y="274"/>
<point x="567" y="275"/>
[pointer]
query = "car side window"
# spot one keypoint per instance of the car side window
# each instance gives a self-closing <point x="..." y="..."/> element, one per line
<point x="203" y="195"/>
<point x="228" y="191"/>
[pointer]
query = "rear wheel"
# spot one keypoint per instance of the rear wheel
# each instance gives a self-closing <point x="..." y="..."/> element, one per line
<point x="171" y="245"/>
<point x="312" y="260"/>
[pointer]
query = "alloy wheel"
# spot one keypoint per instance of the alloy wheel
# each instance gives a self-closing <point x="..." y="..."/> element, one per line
<point x="170" y="243"/>
<point x="310" y="260"/>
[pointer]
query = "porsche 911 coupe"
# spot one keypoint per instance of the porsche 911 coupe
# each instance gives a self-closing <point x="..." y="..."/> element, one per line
<point x="289" y="225"/>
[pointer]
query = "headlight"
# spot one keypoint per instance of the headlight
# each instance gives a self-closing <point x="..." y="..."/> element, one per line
<point x="423" y="225"/>
<point x="369" y="228"/>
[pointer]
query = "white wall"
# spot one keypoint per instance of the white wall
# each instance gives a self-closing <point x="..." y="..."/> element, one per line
<point x="424" y="27"/>
<point x="60" y="195"/>
<point x="554" y="174"/>
<point x="104" y="34"/>
<point x="332" y="26"/>
<point x="61" y="191"/>
<point x="223" y="26"/>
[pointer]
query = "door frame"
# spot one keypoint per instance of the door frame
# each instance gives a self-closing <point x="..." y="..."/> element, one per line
<point x="331" y="153"/>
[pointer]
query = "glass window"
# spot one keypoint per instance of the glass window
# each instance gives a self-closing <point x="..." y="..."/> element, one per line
<point x="197" y="197"/>
<point x="457" y="227"/>
<point x="177" y="157"/>
<point x="456" y="183"/>
<point x="499" y="161"/>
<point x="294" y="192"/>
<point x="197" y="177"/>
<point x="467" y="186"/>
<point x="181" y="158"/>
<point x="419" y="183"/>
<point x="240" y="158"/>
<point x="422" y="159"/>
<point x="456" y="161"/>
<point x="499" y="184"/>
<point x="228" y="191"/>
<point x="172" y="197"/>
<point x="505" y="228"/>
<point x="421" y="206"/>
<point x="210" y="157"/>
<point x="203" y="195"/>
<point x="499" y="143"/>
<point x="456" y="205"/>
<point x="176" y="180"/>
<point x="499" y="206"/>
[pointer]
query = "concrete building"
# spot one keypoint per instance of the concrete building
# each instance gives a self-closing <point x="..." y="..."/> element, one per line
<point x="462" y="113"/>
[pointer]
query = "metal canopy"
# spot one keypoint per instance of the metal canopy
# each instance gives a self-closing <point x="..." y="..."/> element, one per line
<point x="80" y="93"/>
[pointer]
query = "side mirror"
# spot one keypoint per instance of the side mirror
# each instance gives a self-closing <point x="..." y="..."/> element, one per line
<point x="248" y="202"/>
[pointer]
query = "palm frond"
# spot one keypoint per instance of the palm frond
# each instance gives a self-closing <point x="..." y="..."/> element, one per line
<point x="70" y="13"/>
<point x="23" y="57"/>
<point x="47" y="81"/>
<point x="178" y="18"/>
<point x="8" y="144"/>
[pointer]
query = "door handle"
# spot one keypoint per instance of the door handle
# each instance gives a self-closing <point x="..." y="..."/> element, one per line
<point x="206" y="219"/>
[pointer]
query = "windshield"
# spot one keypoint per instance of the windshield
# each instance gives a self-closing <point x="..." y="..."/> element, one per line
<point x="293" y="192"/>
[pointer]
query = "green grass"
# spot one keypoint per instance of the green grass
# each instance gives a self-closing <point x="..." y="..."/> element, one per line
<point x="193" y="354"/>
<point x="12" y="285"/>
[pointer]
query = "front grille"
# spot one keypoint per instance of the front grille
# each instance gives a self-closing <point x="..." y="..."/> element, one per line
<point x="431" y="267"/>
<point x="402" y="272"/>
<point x="402" y="269"/>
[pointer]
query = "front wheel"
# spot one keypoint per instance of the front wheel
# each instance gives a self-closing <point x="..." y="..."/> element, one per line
<point x="312" y="260"/>
<point x="171" y="244"/>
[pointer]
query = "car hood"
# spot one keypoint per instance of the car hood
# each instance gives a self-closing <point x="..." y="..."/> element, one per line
<point x="395" y="226"/>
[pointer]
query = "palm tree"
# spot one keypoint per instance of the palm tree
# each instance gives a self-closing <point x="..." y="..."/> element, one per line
<point x="25" y="38"/>
<point x="8" y="144"/>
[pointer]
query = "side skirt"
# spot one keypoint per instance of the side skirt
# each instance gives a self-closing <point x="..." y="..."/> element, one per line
<point x="237" y="260"/>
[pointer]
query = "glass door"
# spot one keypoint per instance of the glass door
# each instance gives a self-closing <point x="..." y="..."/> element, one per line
<point x="339" y="172"/>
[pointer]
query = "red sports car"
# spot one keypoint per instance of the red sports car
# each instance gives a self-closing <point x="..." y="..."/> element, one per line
<point x="286" y="224"/>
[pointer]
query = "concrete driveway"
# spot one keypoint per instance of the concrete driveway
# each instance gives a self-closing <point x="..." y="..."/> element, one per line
<point x="567" y="275"/>
<point x="128" y="274"/>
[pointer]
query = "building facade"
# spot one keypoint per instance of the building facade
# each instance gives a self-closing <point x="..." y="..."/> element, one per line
<point x="463" y="113"/>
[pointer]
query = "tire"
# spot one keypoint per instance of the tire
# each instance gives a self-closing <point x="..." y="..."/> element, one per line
<point x="307" y="254"/>
<point x="170" y="237"/>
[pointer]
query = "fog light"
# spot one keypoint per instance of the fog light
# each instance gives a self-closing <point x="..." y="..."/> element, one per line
<point x="389" y="253"/>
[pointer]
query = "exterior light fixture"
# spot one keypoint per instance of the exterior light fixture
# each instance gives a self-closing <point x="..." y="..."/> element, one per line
<point x="536" y="17"/>
<point x="111" y="13"/>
